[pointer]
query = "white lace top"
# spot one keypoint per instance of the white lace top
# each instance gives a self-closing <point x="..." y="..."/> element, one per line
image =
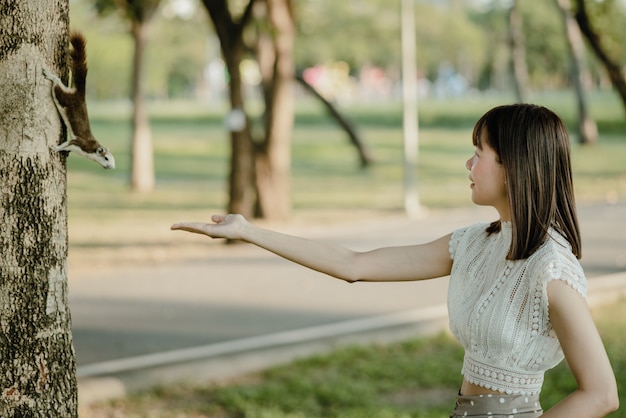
<point x="499" y="308"/>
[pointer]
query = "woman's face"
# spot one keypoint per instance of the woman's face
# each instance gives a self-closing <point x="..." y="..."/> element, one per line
<point x="488" y="179"/>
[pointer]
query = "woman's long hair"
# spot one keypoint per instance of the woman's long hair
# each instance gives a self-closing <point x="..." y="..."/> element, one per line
<point x="533" y="146"/>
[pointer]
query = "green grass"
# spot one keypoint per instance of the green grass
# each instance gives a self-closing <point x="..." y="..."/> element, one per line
<point x="412" y="379"/>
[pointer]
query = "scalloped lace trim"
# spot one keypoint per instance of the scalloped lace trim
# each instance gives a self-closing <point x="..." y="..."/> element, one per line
<point x="500" y="379"/>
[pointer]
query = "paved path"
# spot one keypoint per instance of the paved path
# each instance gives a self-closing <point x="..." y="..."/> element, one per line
<point x="241" y="291"/>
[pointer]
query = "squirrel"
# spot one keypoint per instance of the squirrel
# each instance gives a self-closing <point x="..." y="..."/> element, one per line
<point x="72" y="106"/>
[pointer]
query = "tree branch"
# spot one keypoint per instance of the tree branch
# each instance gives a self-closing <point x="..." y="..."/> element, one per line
<point x="355" y="140"/>
<point x="593" y="37"/>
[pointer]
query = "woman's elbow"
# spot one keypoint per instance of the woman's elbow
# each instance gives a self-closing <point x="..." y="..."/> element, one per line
<point x="607" y="400"/>
<point x="612" y="401"/>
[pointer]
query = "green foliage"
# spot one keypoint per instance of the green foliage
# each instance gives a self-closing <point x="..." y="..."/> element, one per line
<point x="546" y="48"/>
<point x="362" y="32"/>
<point x="368" y="32"/>
<point x="609" y="16"/>
<point x="355" y="381"/>
<point x="544" y="38"/>
<point x="176" y="53"/>
<point x="134" y="10"/>
<point x="474" y="41"/>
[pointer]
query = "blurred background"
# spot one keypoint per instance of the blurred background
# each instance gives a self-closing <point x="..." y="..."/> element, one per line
<point x="330" y="119"/>
<point x="190" y="139"/>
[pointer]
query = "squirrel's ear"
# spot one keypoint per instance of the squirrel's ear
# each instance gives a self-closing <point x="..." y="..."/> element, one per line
<point x="101" y="151"/>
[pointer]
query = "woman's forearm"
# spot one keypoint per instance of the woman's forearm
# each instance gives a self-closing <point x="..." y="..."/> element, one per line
<point x="320" y="256"/>
<point x="583" y="404"/>
<point x="401" y="263"/>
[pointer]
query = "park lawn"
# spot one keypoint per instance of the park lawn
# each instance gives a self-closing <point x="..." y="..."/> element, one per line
<point x="192" y="155"/>
<point x="414" y="379"/>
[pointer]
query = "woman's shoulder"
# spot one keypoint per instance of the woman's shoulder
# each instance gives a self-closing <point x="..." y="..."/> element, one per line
<point x="477" y="228"/>
<point x="554" y="260"/>
<point x="467" y="233"/>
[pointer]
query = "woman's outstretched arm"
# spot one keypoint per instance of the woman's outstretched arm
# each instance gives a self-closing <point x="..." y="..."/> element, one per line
<point x="402" y="263"/>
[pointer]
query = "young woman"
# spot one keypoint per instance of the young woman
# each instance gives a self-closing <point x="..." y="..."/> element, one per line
<point x="517" y="291"/>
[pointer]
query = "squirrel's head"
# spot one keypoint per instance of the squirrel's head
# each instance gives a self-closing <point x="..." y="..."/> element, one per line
<point x="103" y="157"/>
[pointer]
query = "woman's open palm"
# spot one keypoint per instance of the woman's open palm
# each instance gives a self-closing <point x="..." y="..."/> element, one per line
<point x="224" y="226"/>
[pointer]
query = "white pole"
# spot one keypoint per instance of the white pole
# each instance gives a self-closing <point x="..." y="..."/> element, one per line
<point x="409" y="94"/>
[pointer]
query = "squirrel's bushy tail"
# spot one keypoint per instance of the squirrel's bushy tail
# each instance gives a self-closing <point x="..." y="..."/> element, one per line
<point x="79" y="61"/>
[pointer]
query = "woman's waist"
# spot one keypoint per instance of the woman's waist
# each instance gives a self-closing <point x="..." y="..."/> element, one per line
<point x="470" y="389"/>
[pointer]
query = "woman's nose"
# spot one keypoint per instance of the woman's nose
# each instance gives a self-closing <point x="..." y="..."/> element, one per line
<point x="469" y="162"/>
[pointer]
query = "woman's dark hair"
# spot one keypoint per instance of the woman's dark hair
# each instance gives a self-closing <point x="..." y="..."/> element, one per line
<point x="533" y="146"/>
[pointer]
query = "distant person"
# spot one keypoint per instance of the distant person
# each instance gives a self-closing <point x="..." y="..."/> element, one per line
<point x="516" y="298"/>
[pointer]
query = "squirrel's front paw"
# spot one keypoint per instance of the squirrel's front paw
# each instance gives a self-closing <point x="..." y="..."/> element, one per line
<point x="48" y="74"/>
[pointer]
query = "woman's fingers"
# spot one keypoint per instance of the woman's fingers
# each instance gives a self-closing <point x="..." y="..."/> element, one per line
<point x="197" y="227"/>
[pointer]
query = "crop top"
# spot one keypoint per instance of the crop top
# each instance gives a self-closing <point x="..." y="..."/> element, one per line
<point x="498" y="308"/>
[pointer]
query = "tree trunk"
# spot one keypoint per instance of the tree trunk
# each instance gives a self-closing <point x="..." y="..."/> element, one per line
<point x="273" y="157"/>
<point x="242" y="190"/>
<point x="37" y="371"/>
<point x="518" y="53"/>
<point x="593" y="37"/>
<point x="142" y="158"/>
<point x="587" y="128"/>
<point x="260" y="170"/>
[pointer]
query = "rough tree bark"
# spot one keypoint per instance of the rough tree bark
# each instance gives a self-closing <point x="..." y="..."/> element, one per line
<point x="37" y="367"/>
<point x="587" y="128"/>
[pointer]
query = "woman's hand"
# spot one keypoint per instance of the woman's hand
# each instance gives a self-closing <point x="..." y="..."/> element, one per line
<point x="224" y="226"/>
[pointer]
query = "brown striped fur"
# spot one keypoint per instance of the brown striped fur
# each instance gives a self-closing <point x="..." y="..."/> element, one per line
<point x="72" y="106"/>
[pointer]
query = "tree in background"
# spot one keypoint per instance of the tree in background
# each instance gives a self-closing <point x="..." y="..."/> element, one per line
<point x="230" y="31"/>
<point x="139" y="14"/>
<point x="274" y="51"/>
<point x="37" y="371"/>
<point x="600" y="41"/>
<point x="518" y="52"/>
<point x="544" y="45"/>
<point x="260" y="165"/>
<point x="587" y="128"/>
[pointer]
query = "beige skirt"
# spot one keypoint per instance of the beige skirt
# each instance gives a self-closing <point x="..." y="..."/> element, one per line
<point x="497" y="406"/>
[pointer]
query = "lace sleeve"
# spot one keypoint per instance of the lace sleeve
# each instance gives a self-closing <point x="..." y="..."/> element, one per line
<point x="571" y="272"/>
<point x="561" y="264"/>
<point x="454" y="241"/>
